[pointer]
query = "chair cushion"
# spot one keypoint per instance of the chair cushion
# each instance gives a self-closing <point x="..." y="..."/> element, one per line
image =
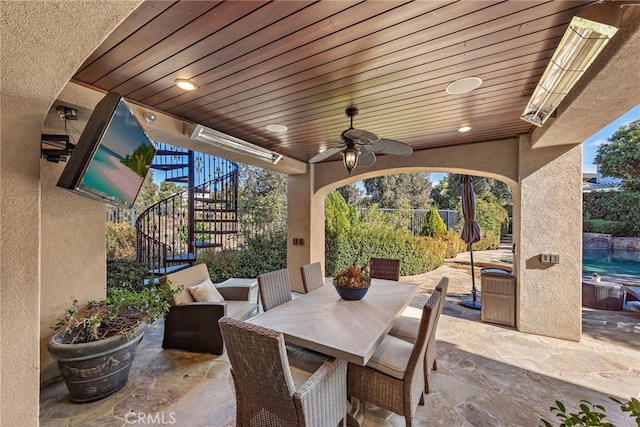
<point x="238" y="309"/>
<point x="303" y="364"/>
<point x="391" y="356"/>
<point x="205" y="292"/>
<point x="406" y="328"/>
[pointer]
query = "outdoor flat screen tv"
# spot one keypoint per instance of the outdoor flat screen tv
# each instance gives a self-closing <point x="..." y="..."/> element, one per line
<point x="112" y="156"/>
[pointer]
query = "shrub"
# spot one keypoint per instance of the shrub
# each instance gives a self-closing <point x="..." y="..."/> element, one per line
<point x="127" y="274"/>
<point x="620" y="206"/>
<point x="453" y="244"/>
<point x="353" y="238"/>
<point x="121" y="241"/>
<point x="433" y="225"/>
<point x="222" y="265"/>
<point x="491" y="216"/>
<point x="603" y="226"/>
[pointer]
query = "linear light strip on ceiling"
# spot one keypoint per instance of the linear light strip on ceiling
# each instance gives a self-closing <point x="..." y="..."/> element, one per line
<point x="585" y="38"/>
<point x="219" y="139"/>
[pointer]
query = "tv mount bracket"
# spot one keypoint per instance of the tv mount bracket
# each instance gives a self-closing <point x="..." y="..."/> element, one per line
<point x="56" y="148"/>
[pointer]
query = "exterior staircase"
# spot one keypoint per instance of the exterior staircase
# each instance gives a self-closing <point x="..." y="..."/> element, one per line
<point x="203" y="215"/>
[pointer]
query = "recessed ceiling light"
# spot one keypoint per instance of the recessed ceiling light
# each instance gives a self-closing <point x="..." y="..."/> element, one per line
<point x="276" y="128"/>
<point x="464" y="85"/>
<point x="464" y="129"/>
<point x="186" y="84"/>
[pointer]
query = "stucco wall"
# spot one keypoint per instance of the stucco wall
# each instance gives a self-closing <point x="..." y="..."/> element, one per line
<point x="549" y="209"/>
<point x="73" y="263"/>
<point x="42" y="44"/>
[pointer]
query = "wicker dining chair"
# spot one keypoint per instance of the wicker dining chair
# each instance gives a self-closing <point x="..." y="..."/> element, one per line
<point x="274" y="288"/>
<point x="384" y="268"/>
<point x="312" y="277"/>
<point x="394" y="376"/>
<point x="407" y="328"/>
<point x="271" y="391"/>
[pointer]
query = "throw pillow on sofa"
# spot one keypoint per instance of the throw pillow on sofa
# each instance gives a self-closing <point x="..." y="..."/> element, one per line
<point x="205" y="292"/>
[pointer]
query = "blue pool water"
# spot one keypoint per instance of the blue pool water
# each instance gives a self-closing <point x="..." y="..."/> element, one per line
<point x="618" y="265"/>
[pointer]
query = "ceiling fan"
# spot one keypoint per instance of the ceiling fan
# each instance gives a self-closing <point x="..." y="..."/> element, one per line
<point x="359" y="147"/>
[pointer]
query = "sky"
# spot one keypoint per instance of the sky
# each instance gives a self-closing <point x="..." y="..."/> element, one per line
<point x="590" y="145"/>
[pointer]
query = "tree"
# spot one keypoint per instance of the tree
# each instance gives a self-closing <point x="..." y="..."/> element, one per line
<point x="147" y="195"/>
<point x="352" y="194"/>
<point x="168" y="188"/>
<point x="620" y="156"/>
<point x="446" y="195"/>
<point x="396" y="191"/>
<point x="258" y="185"/>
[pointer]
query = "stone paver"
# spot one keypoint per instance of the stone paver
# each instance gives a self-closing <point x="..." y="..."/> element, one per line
<point x="488" y="375"/>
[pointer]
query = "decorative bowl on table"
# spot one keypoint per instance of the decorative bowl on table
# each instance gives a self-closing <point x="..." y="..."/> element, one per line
<point x="352" y="283"/>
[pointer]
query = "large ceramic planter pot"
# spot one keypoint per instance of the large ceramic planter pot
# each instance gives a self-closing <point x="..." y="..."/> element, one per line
<point x="97" y="369"/>
<point x="351" y="294"/>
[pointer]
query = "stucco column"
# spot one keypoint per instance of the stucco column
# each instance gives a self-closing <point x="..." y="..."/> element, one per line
<point x="43" y="43"/>
<point x="305" y="217"/>
<point x="548" y="215"/>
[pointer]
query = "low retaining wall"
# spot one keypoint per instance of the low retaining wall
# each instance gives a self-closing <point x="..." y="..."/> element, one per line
<point x="596" y="241"/>
<point x="626" y="243"/>
<point x="607" y="241"/>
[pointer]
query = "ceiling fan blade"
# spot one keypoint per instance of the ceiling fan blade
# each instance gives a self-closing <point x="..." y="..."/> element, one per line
<point x="326" y="154"/>
<point x="361" y="136"/>
<point x="366" y="158"/>
<point x="396" y="148"/>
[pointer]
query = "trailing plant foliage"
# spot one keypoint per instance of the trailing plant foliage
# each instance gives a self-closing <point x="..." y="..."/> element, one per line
<point x="433" y="225"/>
<point x="619" y="206"/>
<point x="121" y="241"/>
<point x="592" y="414"/>
<point x="118" y="314"/>
<point x="127" y="274"/>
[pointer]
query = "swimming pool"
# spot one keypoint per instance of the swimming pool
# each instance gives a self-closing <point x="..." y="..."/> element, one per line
<point x="618" y="265"/>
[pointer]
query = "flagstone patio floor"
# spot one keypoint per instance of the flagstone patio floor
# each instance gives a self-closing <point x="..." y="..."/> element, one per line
<point x="488" y="375"/>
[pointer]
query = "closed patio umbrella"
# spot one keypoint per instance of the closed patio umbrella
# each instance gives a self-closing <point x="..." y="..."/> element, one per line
<point x="471" y="232"/>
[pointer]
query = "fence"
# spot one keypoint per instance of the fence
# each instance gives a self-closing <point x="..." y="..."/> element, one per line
<point x="450" y="217"/>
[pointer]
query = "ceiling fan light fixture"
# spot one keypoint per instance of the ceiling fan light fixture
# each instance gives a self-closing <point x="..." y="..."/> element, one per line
<point x="582" y="42"/>
<point x="350" y="158"/>
<point x="464" y="85"/>
<point x="186" y="84"/>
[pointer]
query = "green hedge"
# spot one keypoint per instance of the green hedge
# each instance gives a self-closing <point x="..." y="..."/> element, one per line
<point x="612" y="206"/>
<point x="604" y="226"/>
<point x="352" y="238"/>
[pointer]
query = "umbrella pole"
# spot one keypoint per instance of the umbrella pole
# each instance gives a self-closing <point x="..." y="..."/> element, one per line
<point x="474" y="304"/>
<point x="473" y="276"/>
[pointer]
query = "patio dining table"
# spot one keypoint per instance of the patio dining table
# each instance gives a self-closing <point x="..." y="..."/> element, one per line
<point x="350" y="330"/>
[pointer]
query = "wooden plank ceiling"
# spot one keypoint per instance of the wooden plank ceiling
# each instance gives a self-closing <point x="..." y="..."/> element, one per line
<point x="301" y="63"/>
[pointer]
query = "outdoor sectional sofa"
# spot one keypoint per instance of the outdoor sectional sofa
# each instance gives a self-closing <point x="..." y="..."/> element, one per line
<point x="192" y="321"/>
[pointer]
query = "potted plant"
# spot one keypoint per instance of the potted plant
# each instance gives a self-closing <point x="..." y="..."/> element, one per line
<point x="96" y="344"/>
<point x="353" y="282"/>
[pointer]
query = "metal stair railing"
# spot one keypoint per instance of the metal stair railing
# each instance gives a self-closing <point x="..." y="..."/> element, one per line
<point x="170" y="232"/>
